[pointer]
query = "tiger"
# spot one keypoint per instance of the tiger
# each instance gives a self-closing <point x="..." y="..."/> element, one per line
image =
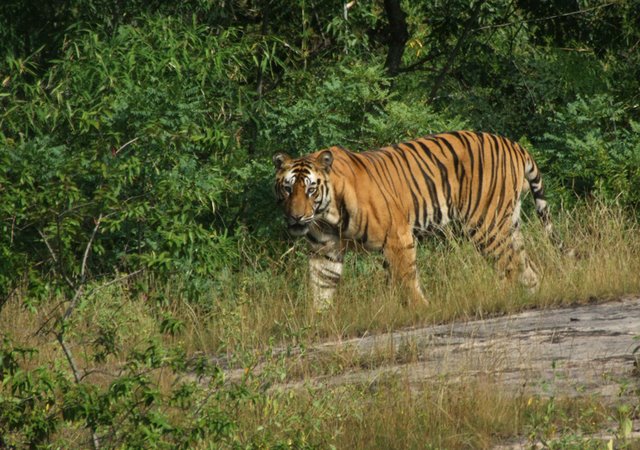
<point x="385" y="199"/>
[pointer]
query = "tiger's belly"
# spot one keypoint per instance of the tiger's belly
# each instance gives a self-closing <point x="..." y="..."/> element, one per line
<point x="371" y="230"/>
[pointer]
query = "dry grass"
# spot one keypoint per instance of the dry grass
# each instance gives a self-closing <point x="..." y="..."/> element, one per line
<point x="393" y="413"/>
<point x="272" y="307"/>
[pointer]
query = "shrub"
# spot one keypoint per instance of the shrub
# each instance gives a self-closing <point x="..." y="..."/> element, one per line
<point x="593" y="148"/>
<point x="139" y="130"/>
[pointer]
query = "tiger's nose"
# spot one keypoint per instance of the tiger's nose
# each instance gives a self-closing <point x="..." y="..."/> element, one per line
<point x="296" y="218"/>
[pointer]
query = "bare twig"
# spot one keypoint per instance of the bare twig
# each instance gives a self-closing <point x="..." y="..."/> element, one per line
<point x="419" y="63"/>
<point x="88" y="248"/>
<point x="103" y="372"/>
<point x="117" y="280"/>
<point x="6" y="298"/>
<point x="69" y="356"/>
<point x="77" y="377"/>
<point x="79" y="289"/>
<point x="55" y="258"/>
<point x="533" y="99"/>
<point x="72" y="305"/>
<point x="346" y="7"/>
<point x="89" y="293"/>
<point x="83" y="266"/>
<point x="126" y="144"/>
<point x="542" y="19"/>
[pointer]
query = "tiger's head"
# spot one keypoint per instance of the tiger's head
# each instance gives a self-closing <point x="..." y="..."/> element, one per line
<point x="303" y="188"/>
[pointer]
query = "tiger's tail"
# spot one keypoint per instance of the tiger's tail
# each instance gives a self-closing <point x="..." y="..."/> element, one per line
<point x="532" y="173"/>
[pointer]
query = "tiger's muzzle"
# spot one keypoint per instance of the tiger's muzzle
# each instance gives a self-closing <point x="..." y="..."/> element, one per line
<point x="299" y="225"/>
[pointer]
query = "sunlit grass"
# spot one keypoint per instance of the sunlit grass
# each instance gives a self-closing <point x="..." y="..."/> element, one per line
<point x="272" y="307"/>
<point x="267" y="306"/>
<point x="394" y="413"/>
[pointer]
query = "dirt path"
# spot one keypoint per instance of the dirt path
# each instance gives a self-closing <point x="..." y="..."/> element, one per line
<point x="581" y="350"/>
<point x="584" y="350"/>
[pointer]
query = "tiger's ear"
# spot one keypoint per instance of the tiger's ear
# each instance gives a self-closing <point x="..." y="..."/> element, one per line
<point x="325" y="159"/>
<point x="279" y="159"/>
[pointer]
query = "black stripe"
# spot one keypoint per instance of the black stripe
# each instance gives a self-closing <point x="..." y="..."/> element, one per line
<point x="322" y="285"/>
<point x="345" y="218"/>
<point x="327" y="277"/>
<point x="365" y="234"/>
<point x="402" y="153"/>
<point x="431" y="186"/>
<point x="472" y="161"/>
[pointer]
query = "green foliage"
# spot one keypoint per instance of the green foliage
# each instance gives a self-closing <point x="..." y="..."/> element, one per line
<point x="593" y="148"/>
<point x="353" y="107"/>
<point x="132" y="410"/>
<point x="31" y="394"/>
<point x="335" y="110"/>
<point x="124" y="131"/>
<point x="135" y="409"/>
<point x="159" y="123"/>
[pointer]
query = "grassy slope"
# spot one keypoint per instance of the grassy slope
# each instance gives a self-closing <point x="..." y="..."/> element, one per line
<point x="459" y="282"/>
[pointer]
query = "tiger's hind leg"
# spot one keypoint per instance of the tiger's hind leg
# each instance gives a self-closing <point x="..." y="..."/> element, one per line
<point x="400" y="261"/>
<point x="527" y="273"/>
<point x="504" y="244"/>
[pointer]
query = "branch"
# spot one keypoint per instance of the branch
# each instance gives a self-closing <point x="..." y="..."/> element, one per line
<point x="417" y="65"/>
<point x="347" y="7"/>
<point x="55" y="258"/>
<point x="69" y="311"/>
<point x="117" y="280"/>
<point x="91" y="292"/>
<point x="126" y="144"/>
<point x="69" y="356"/>
<point x="465" y="32"/>
<point x="88" y="248"/>
<point x="83" y="267"/>
<point x="253" y="121"/>
<point x="542" y="19"/>
<point x="77" y="377"/>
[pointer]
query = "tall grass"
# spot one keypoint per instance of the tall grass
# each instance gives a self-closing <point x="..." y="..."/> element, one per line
<point x="267" y="304"/>
<point x="394" y="414"/>
<point x="271" y="306"/>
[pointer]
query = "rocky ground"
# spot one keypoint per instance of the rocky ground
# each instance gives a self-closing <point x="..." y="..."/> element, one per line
<point x="569" y="351"/>
<point x="583" y="350"/>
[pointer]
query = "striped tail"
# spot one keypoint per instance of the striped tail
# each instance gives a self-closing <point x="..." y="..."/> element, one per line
<point x="532" y="173"/>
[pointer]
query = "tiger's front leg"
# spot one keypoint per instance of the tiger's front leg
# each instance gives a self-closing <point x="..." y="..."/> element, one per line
<point x="325" y="270"/>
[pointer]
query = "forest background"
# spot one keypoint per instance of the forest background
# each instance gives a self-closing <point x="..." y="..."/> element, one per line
<point x="137" y="218"/>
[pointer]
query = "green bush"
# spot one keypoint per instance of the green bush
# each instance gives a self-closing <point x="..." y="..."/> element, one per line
<point x="593" y="148"/>
<point x="354" y="107"/>
<point x="132" y="411"/>
<point x="138" y="130"/>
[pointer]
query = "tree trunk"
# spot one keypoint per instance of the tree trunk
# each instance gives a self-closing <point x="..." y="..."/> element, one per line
<point x="398" y="35"/>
